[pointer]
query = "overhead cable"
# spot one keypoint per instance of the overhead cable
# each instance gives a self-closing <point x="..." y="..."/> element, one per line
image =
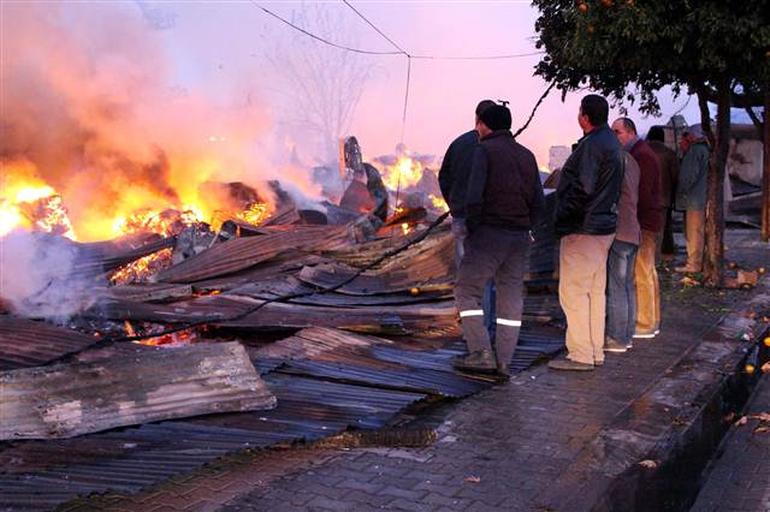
<point x="321" y="39"/>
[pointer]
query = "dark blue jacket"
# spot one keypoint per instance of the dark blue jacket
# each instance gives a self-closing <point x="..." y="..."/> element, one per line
<point x="456" y="170"/>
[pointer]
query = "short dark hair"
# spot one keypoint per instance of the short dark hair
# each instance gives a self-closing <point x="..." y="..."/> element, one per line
<point x="656" y="133"/>
<point x="496" y="117"/>
<point x="596" y="108"/>
<point x="483" y="105"/>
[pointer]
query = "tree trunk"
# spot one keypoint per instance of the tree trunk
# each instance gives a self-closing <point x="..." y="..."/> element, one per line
<point x="766" y="172"/>
<point x="715" y="214"/>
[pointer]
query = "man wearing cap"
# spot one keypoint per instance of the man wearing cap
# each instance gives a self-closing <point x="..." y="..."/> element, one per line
<point x="691" y="195"/>
<point x="503" y="202"/>
<point x="650" y="214"/>
<point x="586" y="219"/>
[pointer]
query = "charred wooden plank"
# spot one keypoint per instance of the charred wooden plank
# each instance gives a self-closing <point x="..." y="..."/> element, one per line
<point x="71" y="399"/>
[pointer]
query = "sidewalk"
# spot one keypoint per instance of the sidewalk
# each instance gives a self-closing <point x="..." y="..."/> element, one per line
<point x="545" y="441"/>
<point x="740" y="477"/>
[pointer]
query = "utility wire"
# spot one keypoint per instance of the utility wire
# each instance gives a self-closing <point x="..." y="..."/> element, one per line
<point x="477" y="57"/>
<point x="398" y="52"/>
<point x="321" y="39"/>
<point x="375" y="28"/>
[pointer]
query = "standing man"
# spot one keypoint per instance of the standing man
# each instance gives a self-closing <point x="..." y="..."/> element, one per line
<point x="669" y="174"/>
<point x="503" y="202"/>
<point x="650" y="215"/>
<point x="586" y="218"/>
<point x="691" y="195"/>
<point x="454" y="175"/>
<point x="621" y="285"/>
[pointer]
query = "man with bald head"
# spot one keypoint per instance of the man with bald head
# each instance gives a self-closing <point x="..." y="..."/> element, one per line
<point x="651" y="217"/>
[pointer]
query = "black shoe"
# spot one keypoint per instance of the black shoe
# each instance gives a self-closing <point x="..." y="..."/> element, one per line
<point x="481" y="361"/>
<point x="503" y="373"/>
<point x="613" y="345"/>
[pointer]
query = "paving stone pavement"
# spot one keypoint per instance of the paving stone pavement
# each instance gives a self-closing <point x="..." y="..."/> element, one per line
<point x="739" y="479"/>
<point x="499" y="450"/>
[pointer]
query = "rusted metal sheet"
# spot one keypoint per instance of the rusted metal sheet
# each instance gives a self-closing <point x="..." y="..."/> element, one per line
<point x="35" y="475"/>
<point x="242" y="253"/>
<point x="25" y="343"/>
<point x="288" y="285"/>
<point x="71" y="399"/>
<point x="221" y="309"/>
<point x="147" y="292"/>
<point x="287" y="263"/>
<point x="98" y="258"/>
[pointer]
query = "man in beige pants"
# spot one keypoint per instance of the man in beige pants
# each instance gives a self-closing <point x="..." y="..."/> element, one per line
<point x="691" y="195"/>
<point x="586" y="219"/>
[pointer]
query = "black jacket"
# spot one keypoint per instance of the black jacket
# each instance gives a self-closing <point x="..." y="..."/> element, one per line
<point x="455" y="171"/>
<point x="504" y="189"/>
<point x="589" y="186"/>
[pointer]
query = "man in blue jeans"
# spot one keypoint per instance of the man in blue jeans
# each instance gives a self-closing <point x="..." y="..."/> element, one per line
<point x="621" y="287"/>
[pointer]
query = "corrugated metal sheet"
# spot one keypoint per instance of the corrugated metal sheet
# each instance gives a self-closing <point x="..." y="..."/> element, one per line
<point x="42" y="475"/>
<point x="280" y="316"/>
<point x="97" y="258"/>
<point x="242" y="253"/>
<point x="25" y="343"/>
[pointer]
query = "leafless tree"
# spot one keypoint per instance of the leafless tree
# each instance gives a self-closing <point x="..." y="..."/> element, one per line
<point x="321" y="85"/>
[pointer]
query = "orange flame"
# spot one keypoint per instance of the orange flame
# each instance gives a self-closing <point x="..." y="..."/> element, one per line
<point x="404" y="173"/>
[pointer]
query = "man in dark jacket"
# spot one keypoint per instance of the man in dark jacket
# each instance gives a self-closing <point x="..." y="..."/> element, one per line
<point x="454" y="174"/>
<point x="669" y="174"/>
<point x="586" y="219"/>
<point x="650" y="214"/>
<point x="691" y="195"/>
<point x="503" y="201"/>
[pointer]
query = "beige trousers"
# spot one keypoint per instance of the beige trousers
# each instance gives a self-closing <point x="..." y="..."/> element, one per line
<point x="647" y="285"/>
<point x="695" y="232"/>
<point x="582" y="284"/>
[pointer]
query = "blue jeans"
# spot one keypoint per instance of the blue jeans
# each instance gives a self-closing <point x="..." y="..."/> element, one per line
<point x="621" y="292"/>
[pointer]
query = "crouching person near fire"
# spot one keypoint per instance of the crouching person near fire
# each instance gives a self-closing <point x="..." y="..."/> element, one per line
<point x="503" y="201"/>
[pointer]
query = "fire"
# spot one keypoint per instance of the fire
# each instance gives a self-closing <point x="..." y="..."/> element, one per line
<point x="438" y="203"/>
<point x="27" y="202"/>
<point x="143" y="268"/>
<point x="167" y="222"/>
<point x="255" y="214"/>
<point x="404" y="173"/>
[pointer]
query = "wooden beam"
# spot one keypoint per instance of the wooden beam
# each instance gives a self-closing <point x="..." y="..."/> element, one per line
<point x="141" y="386"/>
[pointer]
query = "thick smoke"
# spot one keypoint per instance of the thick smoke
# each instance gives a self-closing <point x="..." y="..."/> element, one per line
<point x="38" y="278"/>
<point x="89" y="98"/>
